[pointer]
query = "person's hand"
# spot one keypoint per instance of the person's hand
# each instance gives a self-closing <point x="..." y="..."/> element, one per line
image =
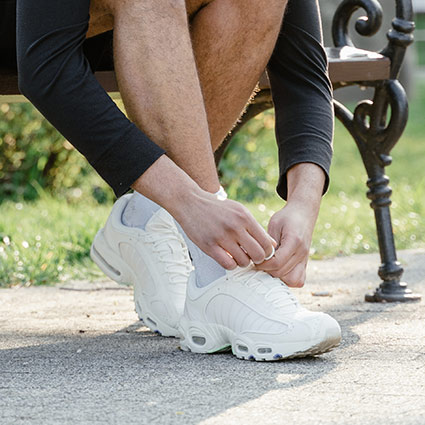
<point x="292" y="227"/>
<point x="225" y="230"/>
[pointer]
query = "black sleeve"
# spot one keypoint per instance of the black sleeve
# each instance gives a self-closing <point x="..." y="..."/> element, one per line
<point x="55" y="76"/>
<point x="302" y="92"/>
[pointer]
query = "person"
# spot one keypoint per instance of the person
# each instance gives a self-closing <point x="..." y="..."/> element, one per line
<point x="186" y="70"/>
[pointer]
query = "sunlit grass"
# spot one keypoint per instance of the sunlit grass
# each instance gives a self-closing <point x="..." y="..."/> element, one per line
<point x="48" y="241"/>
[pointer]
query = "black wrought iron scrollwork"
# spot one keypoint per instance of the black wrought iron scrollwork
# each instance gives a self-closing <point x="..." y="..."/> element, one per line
<point x="399" y="36"/>
<point x="368" y="124"/>
<point x="374" y="135"/>
<point x="365" y="25"/>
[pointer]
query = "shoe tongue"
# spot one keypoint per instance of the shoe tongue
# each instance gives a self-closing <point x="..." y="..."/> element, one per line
<point x="160" y="221"/>
<point x="271" y="287"/>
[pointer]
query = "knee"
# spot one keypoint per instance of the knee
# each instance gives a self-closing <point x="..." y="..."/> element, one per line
<point x="262" y="16"/>
<point x="265" y="15"/>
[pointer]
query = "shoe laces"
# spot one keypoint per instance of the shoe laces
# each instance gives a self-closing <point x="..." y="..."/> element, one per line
<point x="171" y="251"/>
<point x="273" y="289"/>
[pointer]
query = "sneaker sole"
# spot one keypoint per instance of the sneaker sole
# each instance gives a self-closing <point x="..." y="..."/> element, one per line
<point x="208" y="339"/>
<point x="118" y="270"/>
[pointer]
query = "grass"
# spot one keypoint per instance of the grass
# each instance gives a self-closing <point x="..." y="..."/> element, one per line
<point x="48" y="240"/>
<point x="420" y="42"/>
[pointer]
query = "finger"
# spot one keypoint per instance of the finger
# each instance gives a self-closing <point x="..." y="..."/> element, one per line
<point x="223" y="258"/>
<point x="260" y="235"/>
<point x="293" y="262"/>
<point x="295" y="278"/>
<point x="252" y="248"/>
<point x="283" y="255"/>
<point x="238" y="253"/>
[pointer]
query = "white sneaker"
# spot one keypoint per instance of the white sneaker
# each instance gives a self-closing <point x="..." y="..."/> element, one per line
<point x="155" y="260"/>
<point x="257" y="316"/>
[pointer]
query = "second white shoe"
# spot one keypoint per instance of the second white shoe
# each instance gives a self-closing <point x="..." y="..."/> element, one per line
<point x="155" y="260"/>
<point x="256" y="316"/>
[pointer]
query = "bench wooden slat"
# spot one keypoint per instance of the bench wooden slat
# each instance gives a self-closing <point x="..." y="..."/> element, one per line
<point x="349" y="64"/>
<point x="346" y="64"/>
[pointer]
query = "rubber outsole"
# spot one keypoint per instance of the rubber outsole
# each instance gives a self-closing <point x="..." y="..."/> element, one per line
<point x="213" y="333"/>
<point x="118" y="270"/>
<point x="321" y="348"/>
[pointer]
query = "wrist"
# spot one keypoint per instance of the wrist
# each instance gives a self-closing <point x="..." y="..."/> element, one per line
<point x="168" y="185"/>
<point x="305" y="185"/>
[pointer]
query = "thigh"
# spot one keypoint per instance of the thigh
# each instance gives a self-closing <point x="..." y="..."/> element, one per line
<point x="102" y="13"/>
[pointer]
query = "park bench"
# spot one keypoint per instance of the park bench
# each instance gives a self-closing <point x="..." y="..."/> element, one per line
<point x="374" y="134"/>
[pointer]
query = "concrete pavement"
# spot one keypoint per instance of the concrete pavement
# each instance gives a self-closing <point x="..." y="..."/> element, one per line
<point x="78" y="355"/>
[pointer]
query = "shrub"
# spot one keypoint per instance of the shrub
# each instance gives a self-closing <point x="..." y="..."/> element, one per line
<point x="34" y="155"/>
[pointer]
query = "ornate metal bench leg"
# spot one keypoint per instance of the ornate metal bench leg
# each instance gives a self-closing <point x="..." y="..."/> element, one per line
<point x="390" y="271"/>
<point x="375" y="139"/>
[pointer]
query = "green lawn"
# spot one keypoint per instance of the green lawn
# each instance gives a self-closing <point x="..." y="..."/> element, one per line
<point x="48" y="240"/>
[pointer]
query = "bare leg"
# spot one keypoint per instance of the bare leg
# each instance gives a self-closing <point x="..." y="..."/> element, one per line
<point x="233" y="41"/>
<point x="159" y="83"/>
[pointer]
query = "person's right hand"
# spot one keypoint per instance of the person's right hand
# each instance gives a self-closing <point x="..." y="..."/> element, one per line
<point x="225" y="230"/>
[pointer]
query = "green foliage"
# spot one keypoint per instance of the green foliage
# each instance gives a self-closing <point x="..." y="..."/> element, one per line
<point x="34" y="155"/>
<point x="248" y="169"/>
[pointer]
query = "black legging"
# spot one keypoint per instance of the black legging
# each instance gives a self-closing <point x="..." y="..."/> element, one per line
<point x="55" y="75"/>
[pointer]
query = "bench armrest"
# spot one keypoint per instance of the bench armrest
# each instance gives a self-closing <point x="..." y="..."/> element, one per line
<point x="399" y="36"/>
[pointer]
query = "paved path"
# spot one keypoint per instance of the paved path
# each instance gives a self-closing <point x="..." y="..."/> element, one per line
<point x="75" y="355"/>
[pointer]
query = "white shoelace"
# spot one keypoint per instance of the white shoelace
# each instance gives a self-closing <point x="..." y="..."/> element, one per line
<point x="172" y="252"/>
<point x="273" y="289"/>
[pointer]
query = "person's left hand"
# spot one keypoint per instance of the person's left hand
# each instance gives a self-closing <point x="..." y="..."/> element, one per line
<point x="292" y="227"/>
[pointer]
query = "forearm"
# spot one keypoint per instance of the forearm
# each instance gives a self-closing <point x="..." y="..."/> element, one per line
<point x="302" y="93"/>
